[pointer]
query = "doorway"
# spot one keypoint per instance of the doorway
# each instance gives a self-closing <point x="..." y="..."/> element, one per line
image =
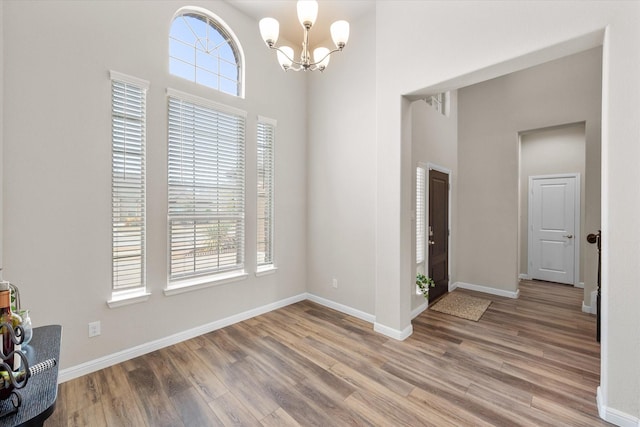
<point x="554" y="228"/>
<point x="438" y="233"/>
<point x="552" y="165"/>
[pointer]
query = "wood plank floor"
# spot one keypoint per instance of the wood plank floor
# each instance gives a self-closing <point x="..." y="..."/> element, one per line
<point x="531" y="362"/>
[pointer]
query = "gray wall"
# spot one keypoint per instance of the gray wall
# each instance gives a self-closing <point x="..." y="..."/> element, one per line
<point x="57" y="169"/>
<point x="491" y="116"/>
<point x="554" y="151"/>
<point x="434" y="140"/>
<point x="341" y="166"/>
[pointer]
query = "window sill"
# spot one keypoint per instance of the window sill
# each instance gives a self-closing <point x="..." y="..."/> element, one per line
<point x="266" y="270"/>
<point x="128" y="299"/>
<point x="204" y="282"/>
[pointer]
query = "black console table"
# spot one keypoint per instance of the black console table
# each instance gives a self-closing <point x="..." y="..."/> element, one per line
<point x="40" y="394"/>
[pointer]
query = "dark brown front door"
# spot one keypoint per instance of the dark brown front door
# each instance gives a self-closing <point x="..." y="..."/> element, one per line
<point x="438" y="233"/>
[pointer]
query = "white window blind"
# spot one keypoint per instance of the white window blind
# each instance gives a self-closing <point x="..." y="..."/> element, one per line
<point x="420" y="214"/>
<point x="265" y="148"/>
<point x="128" y="112"/>
<point x="206" y="189"/>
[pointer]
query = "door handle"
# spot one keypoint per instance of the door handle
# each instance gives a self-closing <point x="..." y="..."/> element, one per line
<point x="431" y="242"/>
<point x="568" y="236"/>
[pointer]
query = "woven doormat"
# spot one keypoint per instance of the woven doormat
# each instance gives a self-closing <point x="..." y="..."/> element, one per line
<point x="461" y="305"/>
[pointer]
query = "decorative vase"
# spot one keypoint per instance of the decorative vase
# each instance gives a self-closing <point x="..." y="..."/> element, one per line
<point x="26" y="325"/>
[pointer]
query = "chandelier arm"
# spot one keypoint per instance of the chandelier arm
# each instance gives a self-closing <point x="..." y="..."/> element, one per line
<point x="274" y="47"/>
<point x="325" y="57"/>
<point x="311" y="66"/>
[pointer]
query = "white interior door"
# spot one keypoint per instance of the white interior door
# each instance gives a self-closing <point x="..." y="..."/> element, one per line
<point x="553" y="228"/>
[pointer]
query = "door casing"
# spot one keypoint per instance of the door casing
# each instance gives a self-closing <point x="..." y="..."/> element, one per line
<point x="577" y="217"/>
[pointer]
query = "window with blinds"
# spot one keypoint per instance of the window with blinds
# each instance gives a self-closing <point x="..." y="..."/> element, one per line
<point x="206" y="188"/>
<point x="265" y="143"/>
<point x="128" y="122"/>
<point x="420" y="214"/>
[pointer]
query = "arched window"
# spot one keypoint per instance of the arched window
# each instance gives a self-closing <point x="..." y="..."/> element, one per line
<point x="202" y="49"/>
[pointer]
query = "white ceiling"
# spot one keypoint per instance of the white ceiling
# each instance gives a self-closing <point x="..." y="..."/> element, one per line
<point x="286" y="13"/>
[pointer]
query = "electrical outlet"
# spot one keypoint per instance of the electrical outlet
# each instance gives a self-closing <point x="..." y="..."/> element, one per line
<point x="94" y="329"/>
<point x="334" y="282"/>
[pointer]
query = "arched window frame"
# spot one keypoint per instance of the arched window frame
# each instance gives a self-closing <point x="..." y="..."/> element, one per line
<point x="222" y="27"/>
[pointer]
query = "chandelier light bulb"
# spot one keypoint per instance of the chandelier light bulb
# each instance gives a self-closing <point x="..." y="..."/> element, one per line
<point x="285" y="55"/>
<point x="340" y="33"/>
<point x="321" y="57"/>
<point x="307" y="12"/>
<point x="269" y="30"/>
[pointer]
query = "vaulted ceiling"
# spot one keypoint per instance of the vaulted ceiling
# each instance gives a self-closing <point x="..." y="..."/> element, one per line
<point x="286" y="13"/>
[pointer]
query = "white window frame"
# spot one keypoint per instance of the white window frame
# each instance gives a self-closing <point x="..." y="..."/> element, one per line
<point x="208" y="114"/>
<point x="224" y="30"/>
<point x="265" y="156"/>
<point x="128" y="168"/>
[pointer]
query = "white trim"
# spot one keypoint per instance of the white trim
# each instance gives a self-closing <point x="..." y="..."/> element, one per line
<point x="486" y="290"/>
<point x="342" y="308"/>
<point x="438" y="168"/>
<point x="189" y="285"/>
<point x="127" y="354"/>
<point x="593" y="308"/>
<point x="230" y="32"/>
<point x="128" y="298"/>
<point x="579" y="285"/>
<point x="577" y="216"/>
<point x="393" y="333"/>
<point x="267" y="120"/>
<point x="125" y="78"/>
<point x="204" y="102"/>
<point x="615" y="416"/>
<point x="265" y="270"/>
<point x="417" y="311"/>
<point x="605" y="221"/>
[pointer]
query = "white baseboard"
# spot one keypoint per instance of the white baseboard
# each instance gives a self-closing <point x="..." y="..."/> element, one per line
<point x="396" y="334"/>
<point x="139" y="350"/>
<point x="342" y="308"/>
<point x="485" y="289"/>
<point x="415" y="313"/>
<point x="88" y="367"/>
<point x="393" y="333"/>
<point x="614" y="416"/>
<point x="593" y="308"/>
<point x="579" y="285"/>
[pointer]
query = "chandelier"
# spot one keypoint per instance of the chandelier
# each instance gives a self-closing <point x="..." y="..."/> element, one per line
<point x="307" y="14"/>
